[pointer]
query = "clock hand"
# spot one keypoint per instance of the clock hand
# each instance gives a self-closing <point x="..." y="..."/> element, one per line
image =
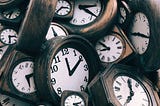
<point x="129" y="98"/>
<point x="106" y="47"/>
<point x="87" y="6"/>
<point x="139" y="34"/>
<point x="86" y="10"/>
<point x="62" y="7"/>
<point x="74" y="68"/>
<point x="10" y="36"/>
<point x="76" y="104"/>
<point x="54" y="32"/>
<point x="28" y="78"/>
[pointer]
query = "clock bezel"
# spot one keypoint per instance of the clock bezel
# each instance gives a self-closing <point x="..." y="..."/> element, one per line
<point x="98" y="27"/>
<point x="42" y="79"/>
<point x="9" y="3"/>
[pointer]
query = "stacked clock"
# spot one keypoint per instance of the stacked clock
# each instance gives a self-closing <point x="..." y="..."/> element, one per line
<point x="79" y="53"/>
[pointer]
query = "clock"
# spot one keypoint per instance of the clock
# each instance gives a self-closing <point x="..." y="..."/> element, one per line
<point x="13" y="16"/>
<point x="122" y="85"/>
<point x="91" y="17"/>
<point x="73" y="98"/>
<point x="124" y="14"/>
<point x="6" y="100"/>
<point x="38" y="29"/>
<point x="56" y="29"/>
<point x="65" y="63"/>
<point x="142" y="32"/>
<point x="64" y="9"/>
<point x="19" y="69"/>
<point x="8" y="36"/>
<point x="9" y="3"/>
<point x="114" y="47"/>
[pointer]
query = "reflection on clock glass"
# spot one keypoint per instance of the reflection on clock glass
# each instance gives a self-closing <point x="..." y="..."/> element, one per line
<point x="69" y="71"/>
<point x="130" y="92"/>
<point x="85" y="11"/>
<point x="140" y="32"/>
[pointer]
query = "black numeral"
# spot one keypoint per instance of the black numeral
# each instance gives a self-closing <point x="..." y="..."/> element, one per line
<point x="53" y="81"/>
<point x="65" y="51"/>
<point x="74" y="51"/>
<point x="82" y="88"/>
<point x="59" y="91"/>
<point x="56" y="59"/>
<point x="85" y="79"/>
<point x="54" y="68"/>
<point x="85" y="67"/>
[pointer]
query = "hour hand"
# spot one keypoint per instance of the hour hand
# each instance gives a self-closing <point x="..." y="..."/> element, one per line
<point x="106" y="47"/>
<point x="28" y="78"/>
<point x="81" y="7"/>
<point x="139" y="34"/>
<point x="76" y="104"/>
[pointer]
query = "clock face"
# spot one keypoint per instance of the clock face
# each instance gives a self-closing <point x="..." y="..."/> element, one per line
<point x="74" y="100"/>
<point x="140" y="32"/>
<point x="110" y="48"/>
<point x="22" y="77"/>
<point x="69" y="71"/>
<point x="2" y="51"/>
<point x="56" y="30"/>
<point x="63" y="7"/>
<point x="85" y="11"/>
<point x="8" y="36"/>
<point x="11" y="13"/>
<point x="9" y="101"/>
<point x="129" y="92"/>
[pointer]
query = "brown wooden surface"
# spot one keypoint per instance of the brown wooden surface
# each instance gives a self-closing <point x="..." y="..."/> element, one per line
<point x="35" y="25"/>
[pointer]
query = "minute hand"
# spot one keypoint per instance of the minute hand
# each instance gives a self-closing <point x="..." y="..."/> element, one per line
<point x="74" y="68"/>
<point x="81" y="7"/>
<point x="139" y="34"/>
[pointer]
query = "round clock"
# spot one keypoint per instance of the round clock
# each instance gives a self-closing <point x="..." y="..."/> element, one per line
<point x="9" y="3"/>
<point x="6" y="100"/>
<point x="22" y="76"/>
<point x="63" y="7"/>
<point x="67" y="63"/>
<point x="8" y="36"/>
<point x="91" y="17"/>
<point x="110" y="48"/>
<point x="73" y="98"/>
<point x="122" y="85"/>
<point x="142" y="32"/>
<point x="17" y="77"/>
<point x="114" y="47"/>
<point x="56" y="29"/>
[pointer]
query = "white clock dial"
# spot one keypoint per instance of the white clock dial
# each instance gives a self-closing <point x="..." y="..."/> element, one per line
<point x="56" y="30"/>
<point x="2" y="51"/>
<point x="110" y="48"/>
<point x="140" y="33"/>
<point x="22" y="77"/>
<point x="63" y="7"/>
<point x="69" y="71"/>
<point x="74" y="100"/>
<point x="12" y="13"/>
<point x="85" y="11"/>
<point x="9" y="101"/>
<point x="130" y="92"/>
<point x="8" y="36"/>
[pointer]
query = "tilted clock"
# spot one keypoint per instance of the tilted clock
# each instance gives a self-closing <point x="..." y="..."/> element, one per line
<point x="122" y="85"/>
<point x="17" y="78"/>
<point x="143" y="32"/>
